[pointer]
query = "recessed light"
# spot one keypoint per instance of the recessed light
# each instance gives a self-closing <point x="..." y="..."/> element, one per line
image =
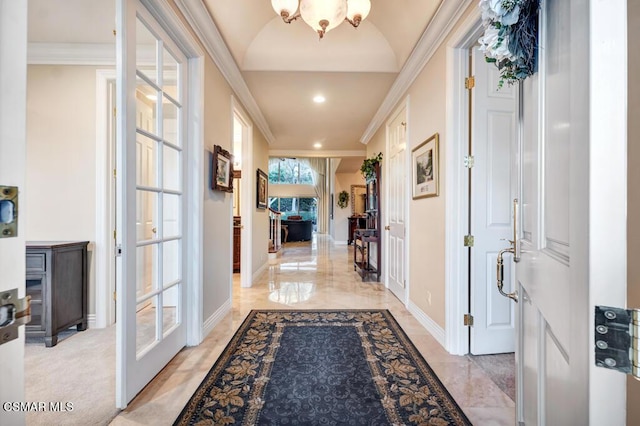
<point x="319" y="99"/>
<point x="317" y="145"/>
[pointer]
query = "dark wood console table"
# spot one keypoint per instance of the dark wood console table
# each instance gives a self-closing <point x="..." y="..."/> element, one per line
<point x="355" y="222"/>
<point x="57" y="276"/>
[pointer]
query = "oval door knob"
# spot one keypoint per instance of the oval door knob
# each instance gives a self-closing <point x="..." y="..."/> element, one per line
<point x="154" y="230"/>
<point x="387" y="228"/>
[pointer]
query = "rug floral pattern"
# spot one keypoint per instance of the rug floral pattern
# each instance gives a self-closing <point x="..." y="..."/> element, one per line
<point x="248" y="383"/>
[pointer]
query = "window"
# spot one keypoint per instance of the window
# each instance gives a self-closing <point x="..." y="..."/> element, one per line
<point x="290" y="171"/>
<point x="296" y="206"/>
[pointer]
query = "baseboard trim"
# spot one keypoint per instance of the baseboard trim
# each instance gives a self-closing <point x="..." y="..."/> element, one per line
<point x="432" y="327"/>
<point x="91" y="320"/>
<point x="340" y="243"/>
<point x="257" y="273"/>
<point x="214" y="319"/>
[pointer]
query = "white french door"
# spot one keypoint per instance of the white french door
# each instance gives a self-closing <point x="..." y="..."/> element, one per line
<point x="494" y="123"/>
<point x="396" y="179"/>
<point x="151" y="176"/>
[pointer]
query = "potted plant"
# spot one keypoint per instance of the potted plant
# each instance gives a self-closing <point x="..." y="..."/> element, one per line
<point x="368" y="167"/>
<point x="343" y="199"/>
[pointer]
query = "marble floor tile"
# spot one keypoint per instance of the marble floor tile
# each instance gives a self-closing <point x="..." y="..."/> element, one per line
<point x="313" y="275"/>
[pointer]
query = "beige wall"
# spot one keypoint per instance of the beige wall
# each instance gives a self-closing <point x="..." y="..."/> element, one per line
<point x="217" y="232"/>
<point x="341" y="223"/>
<point x="61" y="157"/>
<point x="260" y="241"/>
<point x="633" y="244"/>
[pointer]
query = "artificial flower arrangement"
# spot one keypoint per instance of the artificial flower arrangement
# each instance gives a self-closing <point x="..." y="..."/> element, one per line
<point x="510" y="38"/>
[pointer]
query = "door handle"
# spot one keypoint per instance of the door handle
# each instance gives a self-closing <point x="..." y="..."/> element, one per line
<point x="514" y="250"/>
<point x="387" y="228"/>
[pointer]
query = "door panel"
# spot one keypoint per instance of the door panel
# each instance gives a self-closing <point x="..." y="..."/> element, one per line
<point x="493" y="136"/>
<point x="151" y="318"/>
<point x="396" y="194"/>
<point x="553" y="290"/>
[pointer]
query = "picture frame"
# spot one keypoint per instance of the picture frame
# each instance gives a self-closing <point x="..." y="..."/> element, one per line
<point x="262" y="189"/>
<point x="221" y="170"/>
<point x="425" y="169"/>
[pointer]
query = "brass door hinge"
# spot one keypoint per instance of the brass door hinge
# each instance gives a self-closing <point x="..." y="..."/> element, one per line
<point x="468" y="320"/>
<point x="469" y="240"/>
<point x="470" y="82"/>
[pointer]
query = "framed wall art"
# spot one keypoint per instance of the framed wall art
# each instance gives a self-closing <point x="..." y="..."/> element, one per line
<point x="425" y="169"/>
<point x="221" y="170"/>
<point x="262" y="189"/>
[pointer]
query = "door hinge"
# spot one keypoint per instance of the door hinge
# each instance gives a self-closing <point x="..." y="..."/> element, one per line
<point x="468" y="240"/>
<point x="115" y="112"/>
<point x="470" y="82"/>
<point x="617" y="338"/>
<point x="469" y="161"/>
<point x="468" y="320"/>
<point x="114" y="296"/>
<point x="114" y="234"/>
<point x="114" y="173"/>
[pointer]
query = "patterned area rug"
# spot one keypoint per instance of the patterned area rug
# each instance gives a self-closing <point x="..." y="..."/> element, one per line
<point x="321" y="367"/>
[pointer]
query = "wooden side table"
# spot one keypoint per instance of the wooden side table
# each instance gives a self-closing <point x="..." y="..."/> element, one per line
<point x="57" y="276"/>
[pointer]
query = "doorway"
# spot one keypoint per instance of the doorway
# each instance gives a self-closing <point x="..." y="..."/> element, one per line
<point x="492" y="165"/>
<point x="243" y="142"/>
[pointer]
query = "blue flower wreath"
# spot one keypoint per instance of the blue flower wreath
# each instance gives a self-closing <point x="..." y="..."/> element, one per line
<point x="510" y="38"/>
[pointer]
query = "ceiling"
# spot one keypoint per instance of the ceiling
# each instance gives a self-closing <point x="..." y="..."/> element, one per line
<point x="284" y="66"/>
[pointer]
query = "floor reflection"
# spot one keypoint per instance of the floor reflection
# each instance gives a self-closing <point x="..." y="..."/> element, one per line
<point x="290" y="293"/>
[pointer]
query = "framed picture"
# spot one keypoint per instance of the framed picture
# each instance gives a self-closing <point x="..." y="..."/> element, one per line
<point x="262" y="189"/>
<point x="221" y="170"/>
<point x="425" y="169"/>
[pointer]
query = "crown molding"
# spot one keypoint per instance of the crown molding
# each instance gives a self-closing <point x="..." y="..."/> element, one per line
<point x="198" y="17"/>
<point x="438" y="29"/>
<point x="315" y="153"/>
<point x="71" y="54"/>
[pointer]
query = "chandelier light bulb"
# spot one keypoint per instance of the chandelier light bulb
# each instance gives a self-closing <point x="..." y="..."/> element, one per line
<point x="285" y="8"/>
<point x="358" y="11"/>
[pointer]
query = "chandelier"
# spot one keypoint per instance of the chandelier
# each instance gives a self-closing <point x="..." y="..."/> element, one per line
<point x="323" y="15"/>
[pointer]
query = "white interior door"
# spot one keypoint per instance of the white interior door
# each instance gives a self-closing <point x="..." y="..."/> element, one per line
<point x="13" y="112"/>
<point x="151" y="164"/>
<point x="396" y="202"/>
<point x="494" y="147"/>
<point x="573" y="235"/>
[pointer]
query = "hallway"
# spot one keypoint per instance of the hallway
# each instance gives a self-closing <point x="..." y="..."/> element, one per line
<point x="316" y="275"/>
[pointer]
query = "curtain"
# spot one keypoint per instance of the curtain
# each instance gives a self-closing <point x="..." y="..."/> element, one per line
<point x="319" y="168"/>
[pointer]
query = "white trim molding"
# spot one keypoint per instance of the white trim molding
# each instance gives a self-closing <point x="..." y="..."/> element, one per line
<point x="457" y="203"/>
<point x="443" y="21"/>
<point x="104" y="250"/>
<point x="259" y="272"/>
<point x="297" y="153"/>
<point x="197" y="15"/>
<point x="432" y="327"/>
<point x="215" y="318"/>
<point x="101" y="54"/>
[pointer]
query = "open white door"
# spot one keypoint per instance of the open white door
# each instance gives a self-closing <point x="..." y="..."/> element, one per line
<point x="573" y="214"/>
<point x="494" y="123"/>
<point x="13" y="142"/>
<point x="396" y="204"/>
<point x="151" y="193"/>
